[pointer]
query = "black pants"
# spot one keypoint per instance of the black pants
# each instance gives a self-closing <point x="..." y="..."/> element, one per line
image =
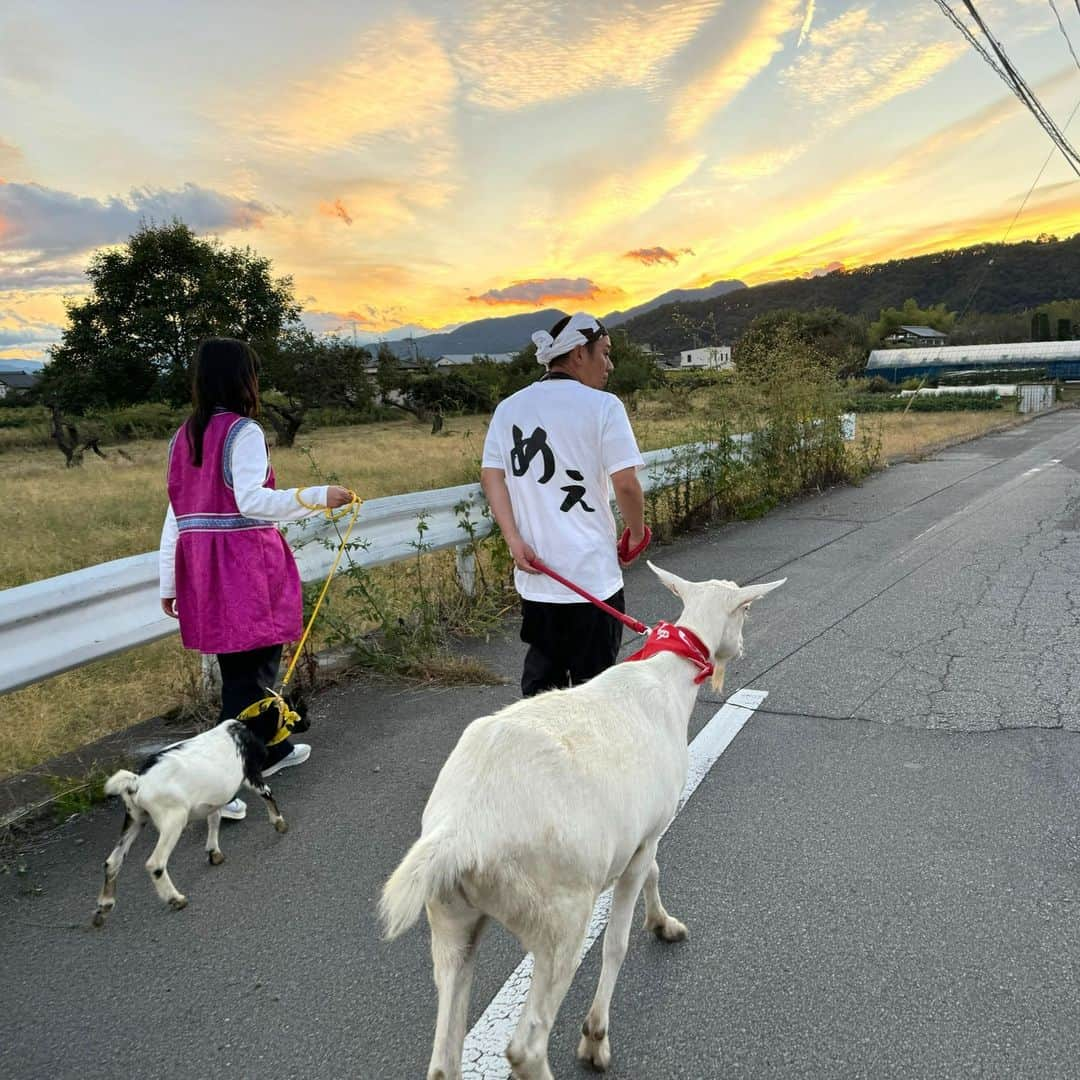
<point x="245" y="678"/>
<point x="568" y="643"/>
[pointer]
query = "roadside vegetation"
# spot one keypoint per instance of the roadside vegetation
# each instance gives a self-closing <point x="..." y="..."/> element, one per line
<point x="334" y="412"/>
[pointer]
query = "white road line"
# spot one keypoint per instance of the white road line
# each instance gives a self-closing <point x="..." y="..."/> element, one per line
<point x="485" y="1045"/>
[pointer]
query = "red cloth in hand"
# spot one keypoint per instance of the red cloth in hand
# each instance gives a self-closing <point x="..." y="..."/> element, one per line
<point x="627" y="554"/>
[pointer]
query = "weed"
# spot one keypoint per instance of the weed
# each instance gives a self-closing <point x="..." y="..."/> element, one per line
<point x="72" y="795"/>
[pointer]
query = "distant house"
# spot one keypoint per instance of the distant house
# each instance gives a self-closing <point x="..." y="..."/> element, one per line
<point x="916" y="335"/>
<point x="16" y="383"/>
<point x="717" y="357"/>
<point x="459" y="359"/>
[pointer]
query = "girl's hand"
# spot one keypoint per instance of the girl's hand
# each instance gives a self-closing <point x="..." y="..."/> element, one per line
<point x="338" y="496"/>
<point x="168" y="605"/>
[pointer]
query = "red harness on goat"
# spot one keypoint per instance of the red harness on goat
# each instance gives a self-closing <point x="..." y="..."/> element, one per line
<point x="667" y="637"/>
<point x="663" y="637"/>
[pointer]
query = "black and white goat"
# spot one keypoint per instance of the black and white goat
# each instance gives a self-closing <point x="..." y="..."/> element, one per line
<point x="190" y="780"/>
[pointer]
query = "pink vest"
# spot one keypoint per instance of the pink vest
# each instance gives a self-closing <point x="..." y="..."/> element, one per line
<point x="237" y="587"/>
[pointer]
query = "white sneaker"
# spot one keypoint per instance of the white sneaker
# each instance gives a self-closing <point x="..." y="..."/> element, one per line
<point x="235" y="810"/>
<point x="297" y="756"/>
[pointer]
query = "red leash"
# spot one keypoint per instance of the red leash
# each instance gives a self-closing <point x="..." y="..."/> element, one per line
<point x="627" y="620"/>
<point x="664" y="637"/>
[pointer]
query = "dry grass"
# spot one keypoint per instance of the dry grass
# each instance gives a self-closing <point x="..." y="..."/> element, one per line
<point x="921" y="433"/>
<point x="62" y="520"/>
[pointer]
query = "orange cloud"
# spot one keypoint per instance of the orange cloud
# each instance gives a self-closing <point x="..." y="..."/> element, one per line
<point x="536" y="291"/>
<point x="626" y="195"/>
<point x="655" y="255"/>
<point x="336" y="209"/>
<point x="400" y="82"/>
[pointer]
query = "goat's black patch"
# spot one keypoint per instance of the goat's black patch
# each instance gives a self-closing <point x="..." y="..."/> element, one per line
<point x="159" y="871"/>
<point x="154" y="758"/>
<point x="252" y="751"/>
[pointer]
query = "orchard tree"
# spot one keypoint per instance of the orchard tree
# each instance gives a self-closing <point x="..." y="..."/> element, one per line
<point x="312" y="372"/>
<point x="151" y="301"/>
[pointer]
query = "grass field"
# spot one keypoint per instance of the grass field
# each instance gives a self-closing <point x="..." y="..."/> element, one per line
<point x="62" y="520"/>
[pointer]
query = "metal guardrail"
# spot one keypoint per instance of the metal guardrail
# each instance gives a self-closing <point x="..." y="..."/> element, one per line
<point x="64" y="622"/>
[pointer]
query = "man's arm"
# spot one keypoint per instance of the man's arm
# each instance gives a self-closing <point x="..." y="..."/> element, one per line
<point x="493" y="481"/>
<point x="631" y="501"/>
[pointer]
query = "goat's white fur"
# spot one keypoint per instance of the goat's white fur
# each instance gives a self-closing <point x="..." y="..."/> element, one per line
<point x="541" y="807"/>
<point x="191" y="780"/>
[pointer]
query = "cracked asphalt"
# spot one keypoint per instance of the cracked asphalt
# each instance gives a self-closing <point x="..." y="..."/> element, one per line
<point x="879" y="874"/>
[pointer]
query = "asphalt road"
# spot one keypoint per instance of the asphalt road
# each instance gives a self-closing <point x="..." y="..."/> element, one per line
<point x="879" y="874"/>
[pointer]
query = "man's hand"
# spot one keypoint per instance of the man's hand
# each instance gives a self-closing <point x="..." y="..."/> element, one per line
<point x="523" y="555"/>
<point x="631" y="545"/>
<point x="168" y="605"/>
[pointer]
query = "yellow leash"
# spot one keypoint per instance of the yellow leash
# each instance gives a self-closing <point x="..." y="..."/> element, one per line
<point x="288" y="718"/>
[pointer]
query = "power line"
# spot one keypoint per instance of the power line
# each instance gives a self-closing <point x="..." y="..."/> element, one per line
<point x="1026" y="94"/>
<point x="1065" y="33"/>
<point x="1016" y="216"/>
<point x="1011" y="77"/>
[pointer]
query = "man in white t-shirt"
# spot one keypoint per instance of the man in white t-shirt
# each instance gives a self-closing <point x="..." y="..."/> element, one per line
<point x="549" y="453"/>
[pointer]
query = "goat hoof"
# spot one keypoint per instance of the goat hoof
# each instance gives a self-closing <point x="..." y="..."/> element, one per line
<point x="281" y="825"/>
<point x="671" y="930"/>
<point x="178" y="903"/>
<point x="216" y="858"/>
<point x="596" y="1054"/>
<point x="98" y="919"/>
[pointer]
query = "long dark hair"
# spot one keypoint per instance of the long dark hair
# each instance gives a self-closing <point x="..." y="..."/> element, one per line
<point x="226" y="377"/>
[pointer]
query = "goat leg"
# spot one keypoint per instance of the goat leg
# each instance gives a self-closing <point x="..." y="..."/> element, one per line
<point x="263" y="789"/>
<point x="213" y="851"/>
<point x="132" y="826"/>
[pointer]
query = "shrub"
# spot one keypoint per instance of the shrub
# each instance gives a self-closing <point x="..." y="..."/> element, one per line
<point x="151" y="420"/>
<point x="868" y="403"/>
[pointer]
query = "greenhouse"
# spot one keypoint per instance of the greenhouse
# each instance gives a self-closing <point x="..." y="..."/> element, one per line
<point x="1060" y="359"/>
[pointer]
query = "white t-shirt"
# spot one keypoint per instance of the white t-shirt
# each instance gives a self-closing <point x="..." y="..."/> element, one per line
<point x="558" y="442"/>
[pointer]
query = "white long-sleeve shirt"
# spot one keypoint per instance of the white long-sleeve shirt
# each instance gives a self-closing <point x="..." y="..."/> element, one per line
<point x="248" y="466"/>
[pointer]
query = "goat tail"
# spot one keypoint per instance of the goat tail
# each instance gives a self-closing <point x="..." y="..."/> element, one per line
<point x="430" y="867"/>
<point x="124" y="783"/>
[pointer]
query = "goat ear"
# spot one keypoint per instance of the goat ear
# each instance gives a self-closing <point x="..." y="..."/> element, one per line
<point x="672" y="581"/>
<point x="749" y="593"/>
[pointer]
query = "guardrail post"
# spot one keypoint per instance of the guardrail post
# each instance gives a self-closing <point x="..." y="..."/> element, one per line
<point x="210" y="678"/>
<point x="465" y="563"/>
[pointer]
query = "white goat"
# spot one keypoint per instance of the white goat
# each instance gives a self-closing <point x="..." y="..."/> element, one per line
<point x="543" y="806"/>
<point x="190" y="780"/>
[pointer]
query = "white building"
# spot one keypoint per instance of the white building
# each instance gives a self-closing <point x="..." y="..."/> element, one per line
<point x="714" y="356"/>
<point x="457" y="359"/>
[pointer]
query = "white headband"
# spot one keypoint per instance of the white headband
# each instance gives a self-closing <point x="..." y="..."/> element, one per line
<point x="550" y="348"/>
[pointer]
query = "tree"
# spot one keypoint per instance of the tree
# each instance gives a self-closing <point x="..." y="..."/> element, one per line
<point x="390" y="377"/>
<point x="837" y="340"/>
<point x="890" y="319"/>
<point x="151" y="302"/>
<point x="634" y="368"/>
<point x="312" y="372"/>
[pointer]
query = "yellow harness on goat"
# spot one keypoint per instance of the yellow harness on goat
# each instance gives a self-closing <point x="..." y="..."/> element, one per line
<point x="289" y="718"/>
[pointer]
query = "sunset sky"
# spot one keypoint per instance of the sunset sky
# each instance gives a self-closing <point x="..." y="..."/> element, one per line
<point x="438" y="162"/>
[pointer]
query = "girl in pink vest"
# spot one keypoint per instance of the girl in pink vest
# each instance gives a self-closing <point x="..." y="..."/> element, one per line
<point x="226" y="571"/>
